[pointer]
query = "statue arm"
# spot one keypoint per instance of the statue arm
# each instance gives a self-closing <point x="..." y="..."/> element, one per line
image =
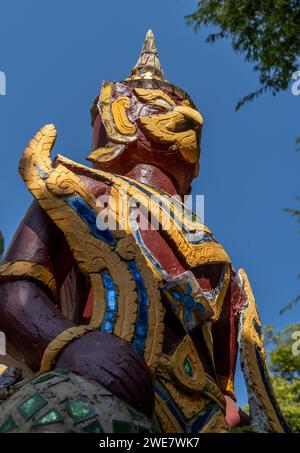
<point x="28" y="288"/>
<point x="239" y="326"/>
<point x="61" y="343"/>
<point x="225" y="332"/>
<point x="225" y="337"/>
<point x="265" y="413"/>
<point x="31" y="281"/>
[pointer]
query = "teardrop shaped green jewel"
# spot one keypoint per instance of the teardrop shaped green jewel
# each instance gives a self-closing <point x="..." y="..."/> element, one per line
<point x="188" y="367"/>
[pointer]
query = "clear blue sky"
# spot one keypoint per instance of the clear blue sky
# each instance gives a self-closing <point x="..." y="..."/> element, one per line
<point x="55" y="55"/>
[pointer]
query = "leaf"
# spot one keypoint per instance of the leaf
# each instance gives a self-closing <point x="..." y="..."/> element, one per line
<point x="265" y="32"/>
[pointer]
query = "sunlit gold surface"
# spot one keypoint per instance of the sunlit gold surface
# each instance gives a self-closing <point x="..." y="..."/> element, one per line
<point x="91" y="254"/>
<point x="31" y="271"/>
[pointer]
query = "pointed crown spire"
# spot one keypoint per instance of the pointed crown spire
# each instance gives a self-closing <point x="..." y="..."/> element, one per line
<point x="148" y="65"/>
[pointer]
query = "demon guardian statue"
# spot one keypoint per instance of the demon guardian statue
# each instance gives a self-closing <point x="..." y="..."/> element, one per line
<point x="119" y="326"/>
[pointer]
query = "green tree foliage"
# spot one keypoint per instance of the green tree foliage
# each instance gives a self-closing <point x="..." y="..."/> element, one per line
<point x="266" y="32"/>
<point x="284" y="367"/>
<point x="295" y="213"/>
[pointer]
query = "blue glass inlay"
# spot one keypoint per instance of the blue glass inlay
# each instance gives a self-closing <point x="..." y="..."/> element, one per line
<point x="132" y="266"/>
<point x="203" y="418"/>
<point x="107" y="281"/>
<point x="111" y="299"/>
<point x="200" y="307"/>
<point x="143" y="313"/>
<point x="164" y="395"/>
<point x="189" y="288"/>
<point x="138" y="280"/>
<point x="143" y="297"/>
<point x="89" y="217"/>
<point x="138" y="345"/>
<point x="141" y="330"/>
<point x="187" y="315"/>
<point x="196" y="424"/>
<point x="188" y="301"/>
<point x="111" y="303"/>
<point x="110" y="316"/>
<point x="176" y="295"/>
<point x="141" y="325"/>
<point x="147" y="253"/>
<point x="107" y="327"/>
<point x="257" y="328"/>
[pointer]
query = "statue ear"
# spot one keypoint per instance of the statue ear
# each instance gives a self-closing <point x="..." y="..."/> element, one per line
<point x="112" y="109"/>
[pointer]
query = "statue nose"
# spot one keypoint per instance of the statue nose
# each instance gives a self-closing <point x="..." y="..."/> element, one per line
<point x="190" y="113"/>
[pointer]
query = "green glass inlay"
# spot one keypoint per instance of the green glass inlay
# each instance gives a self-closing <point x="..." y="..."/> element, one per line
<point x="94" y="427"/>
<point x="121" y="427"/>
<point x="43" y="378"/>
<point x="136" y="415"/>
<point x="32" y="405"/>
<point x="52" y="416"/>
<point x="8" y="425"/>
<point x="80" y="410"/>
<point x="188" y="367"/>
<point x="61" y="371"/>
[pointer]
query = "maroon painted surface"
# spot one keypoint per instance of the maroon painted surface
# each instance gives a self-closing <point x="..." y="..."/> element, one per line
<point x="30" y="319"/>
<point x="142" y="159"/>
<point x="112" y="362"/>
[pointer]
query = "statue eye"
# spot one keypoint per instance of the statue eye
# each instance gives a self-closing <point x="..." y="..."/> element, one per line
<point x="156" y="98"/>
<point x="163" y="103"/>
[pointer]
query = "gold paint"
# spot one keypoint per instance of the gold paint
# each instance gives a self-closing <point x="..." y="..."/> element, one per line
<point x="122" y="123"/>
<point x="167" y="129"/>
<point x="113" y="114"/>
<point x="187" y="103"/>
<point x="173" y="365"/>
<point x="166" y="418"/>
<point x="94" y="255"/>
<point x="190" y="113"/>
<point x="105" y="154"/>
<point x="208" y="338"/>
<point x="179" y="128"/>
<point x="2" y="368"/>
<point x="91" y="254"/>
<point x="154" y="97"/>
<point x="59" y="343"/>
<point x="226" y="384"/>
<point x="217" y="424"/>
<point x="190" y="408"/>
<point x="189" y="403"/>
<point x="105" y="96"/>
<point x="249" y="342"/>
<point x="173" y="128"/>
<point x="148" y="65"/>
<point x="190" y="392"/>
<point x="213" y="392"/>
<point x="217" y="304"/>
<point x="28" y="270"/>
<point x="194" y="254"/>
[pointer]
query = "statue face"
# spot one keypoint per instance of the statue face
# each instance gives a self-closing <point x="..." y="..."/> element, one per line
<point x="151" y="123"/>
